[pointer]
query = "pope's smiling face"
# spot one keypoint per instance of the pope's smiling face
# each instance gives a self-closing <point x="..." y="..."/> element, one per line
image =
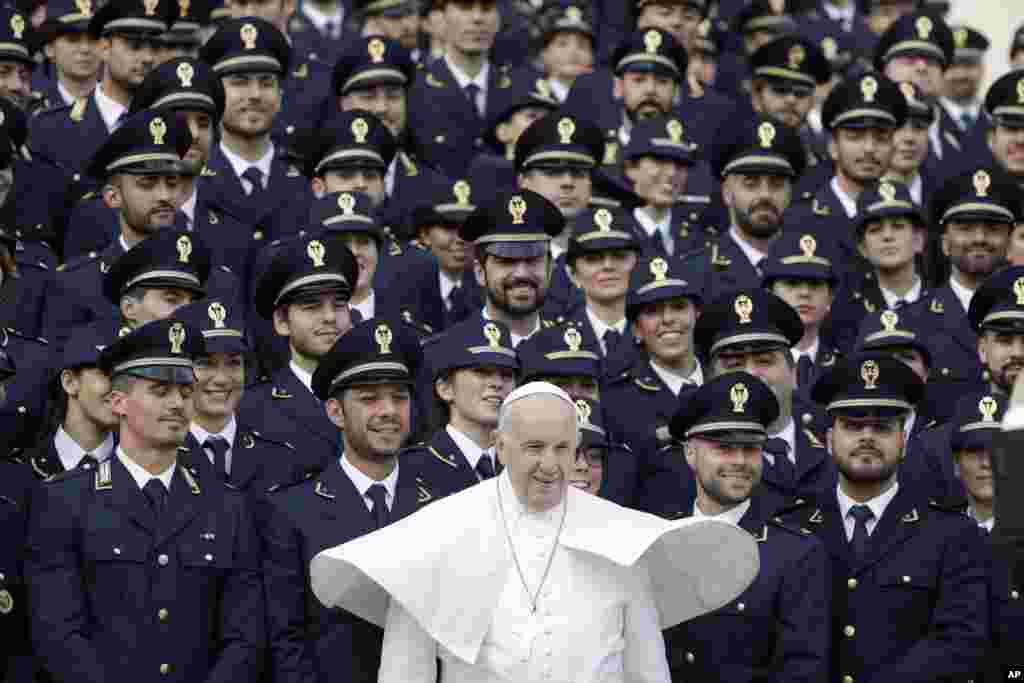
<point x="537" y="445"/>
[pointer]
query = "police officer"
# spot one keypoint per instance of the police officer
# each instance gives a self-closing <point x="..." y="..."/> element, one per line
<point x="72" y="54"/>
<point x="376" y="75"/>
<point x="1005" y="134"/>
<point x="799" y="271"/>
<point x="662" y="308"/>
<point x="397" y="20"/>
<point x="603" y="251"/>
<point x="911" y="147"/>
<point x="755" y="330"/>
<point x="473" y="368"/>
<point x="17" y="36"/>
<point x="365" y="381"/>
<point x="142" y="165"/>
<point x="909" y="588"/>
<point x="238" y="453"/>
<point x="81" y="433"/>
<point x="304" y="292"/>
<point x="179" y="556"/>
<point x="71" y="135"/>
<point x="860" y="114"/>
<point x="997" y="314"/>
<point x="184" y="38"/>
<point x="512" y="234"/>
<point x="781" y="622"/>
<point x="963" y="78"/>
<point x="251" y="175"/>
<point x="598" y="459"/>
<point x="564" y="355"/>
<point x="565" y="46"/>
<point x="757" y="167"/>
<point x="974" y="213"/>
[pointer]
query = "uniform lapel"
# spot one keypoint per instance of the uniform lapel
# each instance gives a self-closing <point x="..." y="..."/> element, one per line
<point x="809" y="457"/>
<point x="443" y="443"/>
<point x="440" y="70"/>
<point x="44" y="459"/>
<point x="406" y="495"/>
<point x="303" y="405"/>
<point x="827" y="524"/>
<point x="243" y="461"/>
<point x="956" y="319"/>
<point x="126" y="496"/>
<point x="900" y="521"/>
<point x="183" y="504"/>
<point x="349" y="505"/>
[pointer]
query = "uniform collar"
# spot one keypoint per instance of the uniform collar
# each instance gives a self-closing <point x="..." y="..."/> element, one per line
<point x="367" y="307"/>
<point x="650" y="226"/>
<point x="877" y="504"/>
<point x="463" y="80"/>
<point x="987" y="525"/>
<point x="110" y="111"/>
<point x="910" y="297"/>
<point x="730" y="516"/>
<point x="141" y="475"/>
<point x="753" y="255"/>
<point x="228" y="433"/>
<point x="189" y="207"/>
<point x="962" y="294"/>
<point x="240" y="165"/>
<point x="469" y="448"/>
<point x="320" y="19"/>
<point x="306" y="378"/>
<point x="811" y="353"/>
<point x="71" y="453"/>
<point x="389" y="177"/>
<point x="849" y="203"/>
<point x="676" y="382"/>
<point x="447" y="285"/>
<point x="600" y="327"/>
<point x="363" y="482"/>
<point x="787" y="434"/>
<point x="558" y="91"/>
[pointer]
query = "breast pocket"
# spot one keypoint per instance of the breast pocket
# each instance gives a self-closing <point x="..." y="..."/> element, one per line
<point x="116" y="562"/>
<point x="909" y="592"/>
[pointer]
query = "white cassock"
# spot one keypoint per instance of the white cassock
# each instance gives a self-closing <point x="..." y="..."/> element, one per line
<point x="442" y="583"/>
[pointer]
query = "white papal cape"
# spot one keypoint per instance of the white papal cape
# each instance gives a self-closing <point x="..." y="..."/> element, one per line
<point x="446" y="564"/>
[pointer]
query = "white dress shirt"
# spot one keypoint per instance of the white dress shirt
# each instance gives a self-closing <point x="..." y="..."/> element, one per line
<point x="916" y="189"/>
<point x="811" y="352"/>
<point x="987" y="525"/>
<point x="480" y="81"/>
<point x="962" y="294"/>
<point x="228" y="434"/>
<point x="320" y="19"/>
<point x="876" y="504"/>
<point x="65" y="94"/>
<point x="675" y="382"/>
<point x="389" y="177"/>
<point x="189" y="208"/>
<point x="600" y="327"/>
<point x="558" y="91"/>
<point x="241" y="165"/>
<point x="935" y="137"/>
<point x="141" y="475"/>
<point x="957" y="110"/>
<point x="787" y="434"/>
<point x="650" y="226"/>
<point x="848" y="202"/>
<point x="731" y="516"/>
<point x="843" y="15"/>
<point x="753" y="255"/>
<point x="367" y="307"/>
<point x="305" y="377"/>
<point x="469" y="448"/>
<point x="110" y="111"/>
<point x="71" y="454"/>
<point x="363" y="483"/>
<point x="912" y="295"/>
<point x="447" y="284"/>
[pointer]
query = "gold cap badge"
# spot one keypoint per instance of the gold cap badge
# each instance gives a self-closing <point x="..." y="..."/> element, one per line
<point x="808" y="245"/>
<point x="652" y="41"/>
<point x="887" y="191"/>
<point x="988" y="406"/>
<point x="982" y="181"/>
<point x="150" y="7"/>
<point x="383" y="337"/>
<point x="869" y="373"/>
<point x="517" y="209"/>
<point x="659" y="268"/>
<point x="797" y="55"/>
<point x="18" y="26"/>
<point x="493" y="335"/>
<point x="360" y="128"/>
<point x="185" y="74"/>
<point x="766" y="134"/>
<point x="924" y="26"/>
<point x="376" y="49"/>
<point x="218" y="314"/>
<point x="462" y="191"/>
<point x="739" y="394"/>
<point x="743" y="307"/>
<point x="566" y="129"/>
<point x="248" y="33"/>
<point x="603" y="220"/>
<point x="674" y="128"/>
<point x="184" y="246"/>
<point x="1018" y="290"/>
<point x="889" y="320"/>
<point x="316" y="252"/>
<point x="158" y="129"/>
<point x="176" y="335"/>
<point x="347" y="203"/>
<point x="869" y="88"/>
<point x="573" y="339"/>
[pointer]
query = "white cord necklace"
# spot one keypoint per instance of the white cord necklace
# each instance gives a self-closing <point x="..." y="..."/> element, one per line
<point x="515" y="559"/>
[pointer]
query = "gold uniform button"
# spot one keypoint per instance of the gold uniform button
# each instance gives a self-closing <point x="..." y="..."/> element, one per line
<point x="690" y="659"/>
<point x="851" y="584"/>
<point x="849" y="632"/>
<point x="165" y="669"/>
<point x="847" y="679"/>
<point x="163" y="614"/>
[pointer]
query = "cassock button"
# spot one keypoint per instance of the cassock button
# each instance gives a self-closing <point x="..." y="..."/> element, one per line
<point x="851" y="583"/>
<point x="163" y="560"/>
<point x="690" y="659"/>
<point x="849" y="631"/>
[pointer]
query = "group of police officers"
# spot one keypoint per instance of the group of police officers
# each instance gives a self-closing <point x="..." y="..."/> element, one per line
<point x="268" y="271"/>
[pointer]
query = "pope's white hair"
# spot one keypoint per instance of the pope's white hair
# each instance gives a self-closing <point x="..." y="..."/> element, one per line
<point x="533" y="389"/>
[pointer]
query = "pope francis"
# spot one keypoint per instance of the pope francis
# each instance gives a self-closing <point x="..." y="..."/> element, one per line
<point x="524" y="578"/>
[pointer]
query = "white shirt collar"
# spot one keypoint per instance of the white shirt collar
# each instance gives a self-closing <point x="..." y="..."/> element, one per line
<point x="305" y="377"/>
<point x="389" y="176"/>
<point x="189" y="207"/>
<point x="241" y="165"/>
<point x="910" y="297"/>
<point x="363" y="482"/>
<point x="957" y="110"/>
<point x="463" y="80"/>
<point x="811" y="353"/>
<point x="987" y="525"/>
<point x="600" y="327"/>
<point x="558" y="91"/>
<point x="848" y="202"/>
<point x="367" y="307"/>
<point x="110" y="111"/>
<point x="447" y="285"/>
<point x="963" y="294"/>
<point x="71" y="453"/>
<point x="675" y="382"/>
<point x="469" y="448"/>
<point x="625" y="130"/>
<point x="876" y="504"/>
<point x="788" y="434"/>
<point x="650" y="226"/>
<point x="556" y="250"/>
<point x="141" y="475"/>
<point x="730" y="516"/>
<point x="515" y="337"/>
<point x="753" y="255"/>
<point x="65" y="94"/>
<point x="841" y="14"/>
<point x="935" y="138"/>
<point x="228" y="433"/>
<point x="916" y="189"/>
<point x="319" y="19"/>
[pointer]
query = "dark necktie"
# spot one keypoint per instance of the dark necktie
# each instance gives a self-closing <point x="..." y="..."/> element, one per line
<point x="785" y="472"/>
<point x="484" y="467"/>
<point x="218" y="446"/>
<point x="377" y="494"/>
<point x="156" y="492"/>
<point x="611" y="341"/>
<point x="472" y="90"/>
<point x="967" y="119"/>
<point x="255" y="178"/>
<point x="859" y="542"/>
<point x="88" y="462"/>
<point x="898" y="304"/>
<point x="804" y="372"/>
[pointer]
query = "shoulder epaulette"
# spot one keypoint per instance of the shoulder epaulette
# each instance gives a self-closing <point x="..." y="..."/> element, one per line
<point x="408" y="165"/>
<point x="717" y="259"/>
<point x="952" y="504"/>
<point x="249" y="440"/>
<point x="394" y="249"/>
<point x="423" y="494"/>
<point x="819" y="209"/>
<point x="279" y="394"/>
<point x="226" y="269"/>
<point x="936" y="306"/>
<point x="16" y="455"/>
<point x="447" y="460"/>
<point x="16" y="333"/>
<point x="70" y="474"/>
<point x="302" y="71"/>
<point x="951" y="139"/>
<point x="304" y="477"/>
<point x="645" y="385"/>
<point x="78" y="262"/>
<point x="432" y="81"/>
<point x="813" y="438"/>
<point x="779" y="523"/>
<point x="792" y="505"/>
